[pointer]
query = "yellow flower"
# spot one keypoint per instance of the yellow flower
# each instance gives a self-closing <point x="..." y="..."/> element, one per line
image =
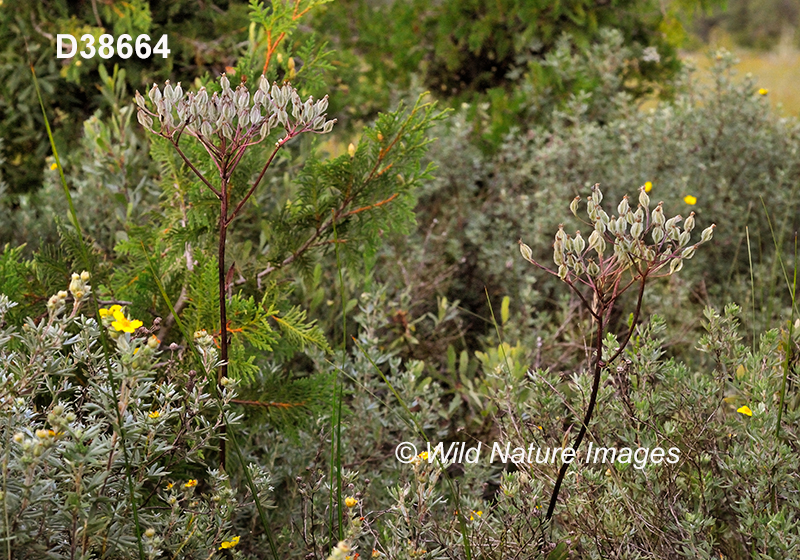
<point x="192" y="483"/>
<point x="350" y="501"/>
<point x="230" y="544"/>
<point x="169" y="486"/>
<point x="690" y="200"/>
<point x="478" y="513"/>
<point x="648" y="186"/>
<point x="124" y="324"/>
<point x="424" y="455"/>
<point x="745" y="410"/>
<point x="110" y="311"/>
<point x="763" y="91"/>
<point x="54" y="166"/>
<point x="155" y="414"/>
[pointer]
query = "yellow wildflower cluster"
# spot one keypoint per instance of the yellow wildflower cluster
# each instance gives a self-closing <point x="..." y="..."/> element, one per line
<point x="191" y="483"/>
<point x="117" y="319"/>
<point x="230" y="544"/>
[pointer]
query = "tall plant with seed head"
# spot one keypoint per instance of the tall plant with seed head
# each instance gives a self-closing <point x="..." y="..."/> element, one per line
<point x="226" y="124"/>
<point x="622" y="250"/>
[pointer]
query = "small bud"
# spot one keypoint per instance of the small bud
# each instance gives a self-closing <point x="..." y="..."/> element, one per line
<point x="85" y="276"/>
<point x="351" y="149"/>
<point x="150" y="533"/>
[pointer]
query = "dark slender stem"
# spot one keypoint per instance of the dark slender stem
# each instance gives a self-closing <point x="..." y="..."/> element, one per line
<point x="598" y="370"/>
<point x="223" y="319"/>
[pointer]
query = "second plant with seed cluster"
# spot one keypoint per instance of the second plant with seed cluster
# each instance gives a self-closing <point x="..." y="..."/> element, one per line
<point x="623" y="250"/>
<point x="226" y="124"/>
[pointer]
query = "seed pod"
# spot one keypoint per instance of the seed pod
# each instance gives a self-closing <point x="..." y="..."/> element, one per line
<point x="244" y="118"/>
<point x="675" y="265"/>
<point x="639" y="214"/>
<point x="579" y="244"/>
<point x="578" y="268"/>
<point x="688" y="253"/>
<point x="255" y="114"/>
<point x="630" y="217"/>
<point x="562" y="272"/>
<point x="573" y="206"/>
<point x="672" y="222"/>
<point x="560" y="235"/>
<point x="688" y="225"/>
<point x="178" y="92"/>
<point x="328" y="126"/>
<point x="225" y="83"/>
<point x="154" y="94"/>
<point x="658" y="215"/>
<point x="242" y="97"/>
<point x="594" y="239"/>
<point x="657" y="234"/>
<point x="644" y="198"/>
<point x="707" y="233"/>
<point x="597" y="193"/>
<point x="145" y="120"/>
<point x="140" y="101"/>
<point x="592" y="269"/>
<point x="206" y="130"/>
<point x="322" y="105"/>
<point x="168" y="92"/>
<point x="527" y="254"/>
<point x="263" y="84"/>
<point x="264" y="130"/>
<point x="683" y="239"/>
<point x="622" y="226"/>
<point x="623" y="207"/>
<point x="600" y="226"/>
<point x="558" y="255"/>
<point x="636" y="230"/>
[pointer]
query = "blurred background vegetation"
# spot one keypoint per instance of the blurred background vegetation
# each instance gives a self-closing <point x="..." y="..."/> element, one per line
<point x="694" y="97"/>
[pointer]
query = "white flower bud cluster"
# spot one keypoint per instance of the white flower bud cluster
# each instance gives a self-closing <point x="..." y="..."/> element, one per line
<point x="625" y="235"/>
<point x="232" y="118"/>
